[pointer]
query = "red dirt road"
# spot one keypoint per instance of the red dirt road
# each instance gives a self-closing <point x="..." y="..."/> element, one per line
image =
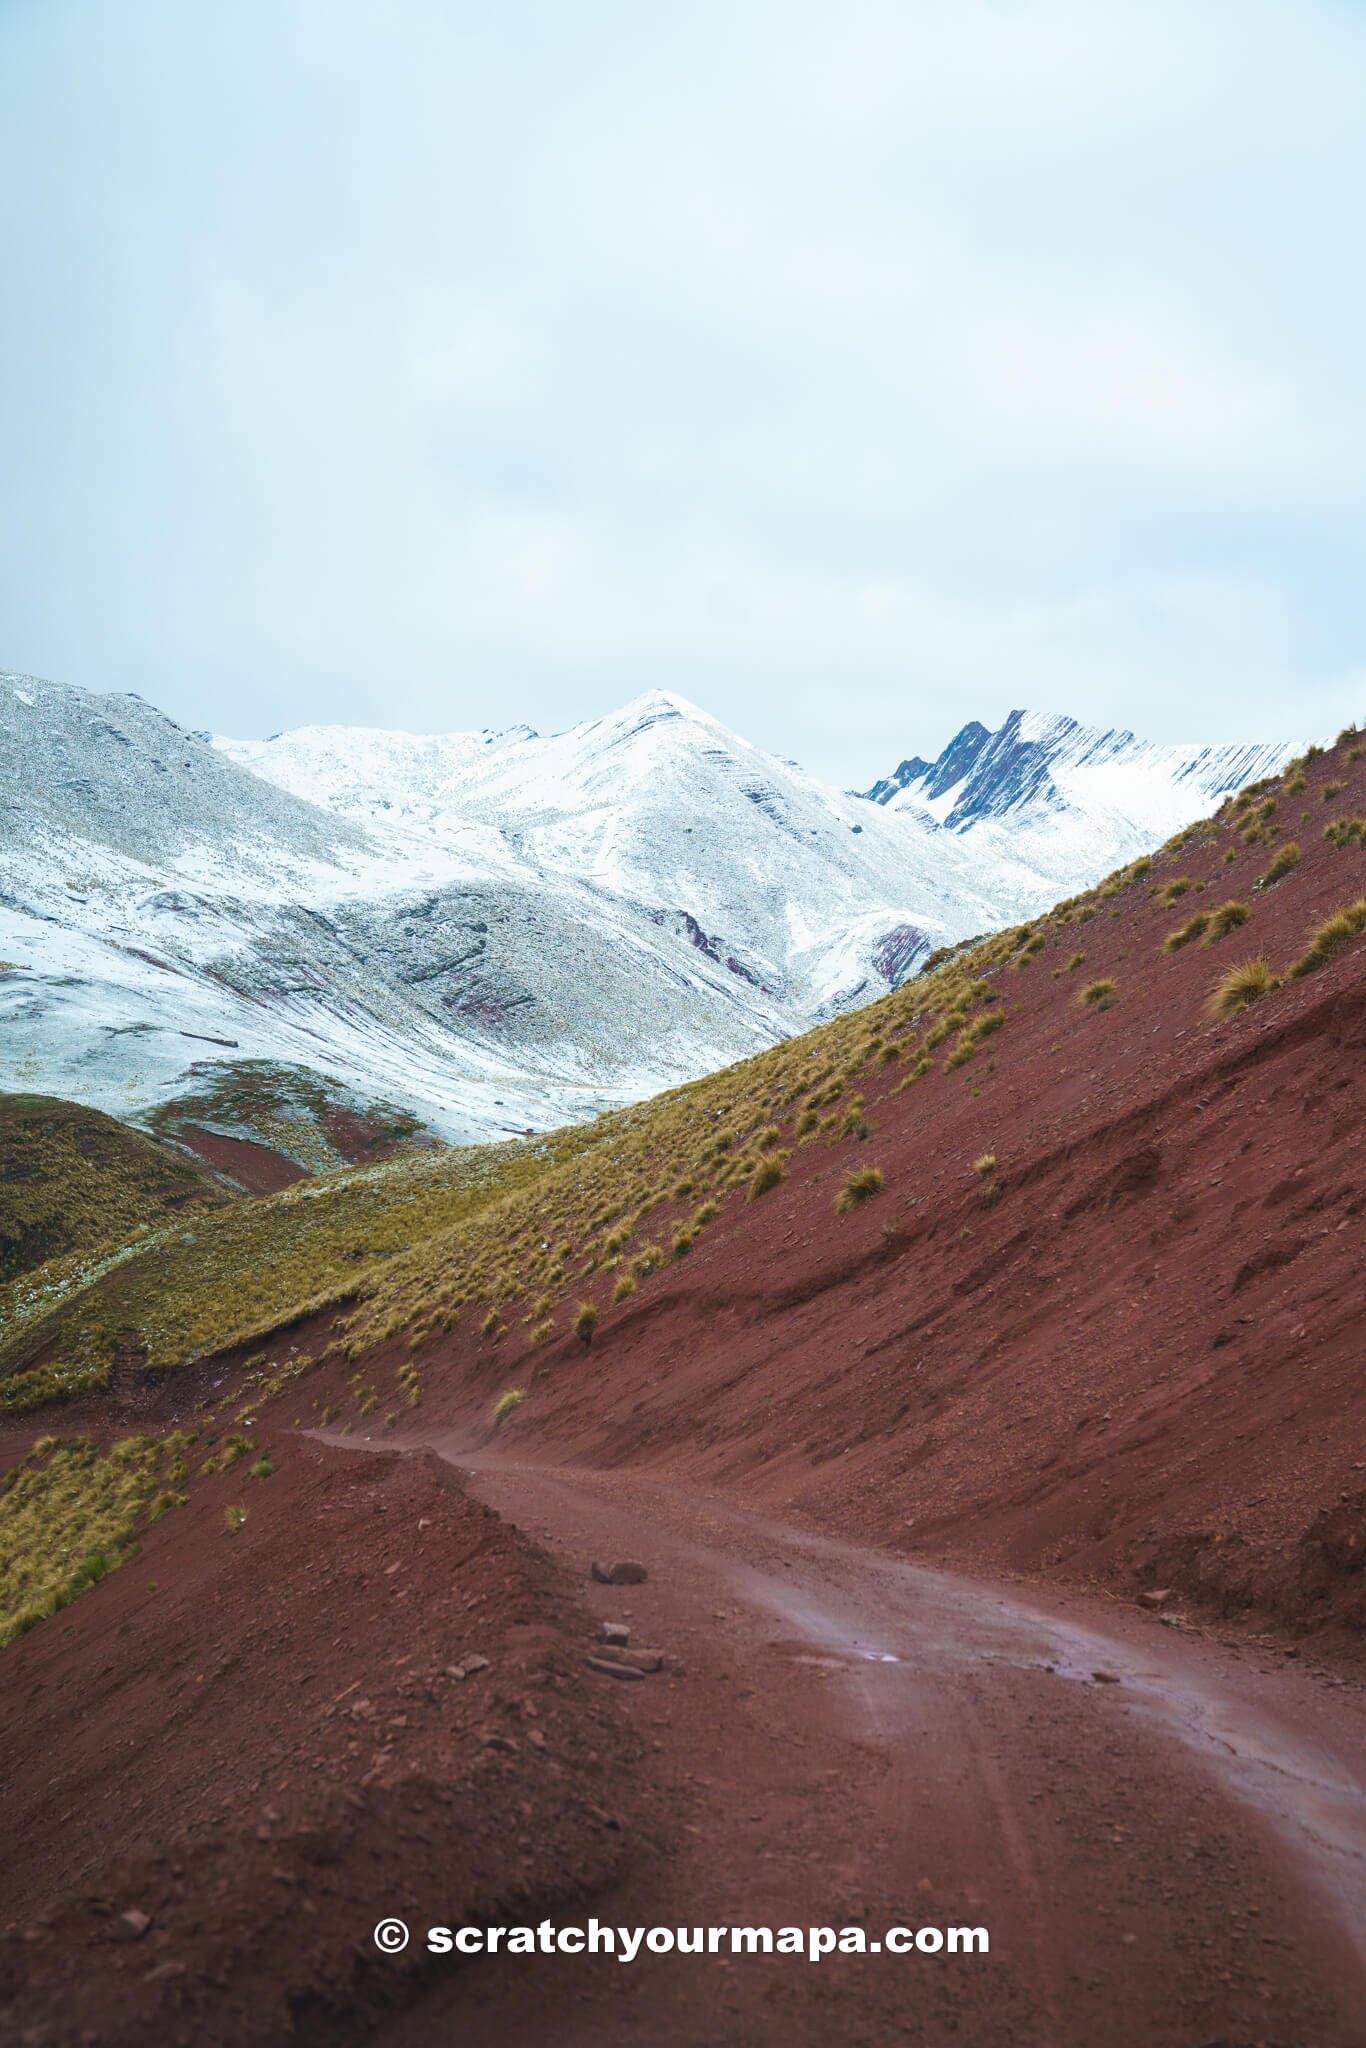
<point x="1175" y="1854"/>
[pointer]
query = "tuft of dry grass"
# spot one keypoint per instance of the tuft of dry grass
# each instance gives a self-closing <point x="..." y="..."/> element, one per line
<point x="1099" y="995"/>
<point x="858" y="1188"/>
<point x="1227" y="918"/>
<point x="505" y="1404"/>
<point x="1287" y="858"/>
<point x="1240" y="986"/>
<point x="765" y="1176"/>
<point x="1329" y="938"/>
<point x="586" y="1321"/>
<point x="985" y="1165"/>
<point x="1186" y="934"/>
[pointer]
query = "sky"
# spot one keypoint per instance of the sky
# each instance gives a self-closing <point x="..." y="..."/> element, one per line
<point x="853" y="369"/>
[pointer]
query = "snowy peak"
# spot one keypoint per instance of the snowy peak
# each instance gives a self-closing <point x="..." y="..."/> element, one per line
<point x="1037" y="764"/>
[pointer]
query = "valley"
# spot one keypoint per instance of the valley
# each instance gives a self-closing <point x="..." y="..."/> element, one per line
<point x="976" y="1377"/>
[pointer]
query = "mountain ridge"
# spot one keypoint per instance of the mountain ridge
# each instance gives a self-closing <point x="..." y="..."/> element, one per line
<point x="493" y="931"/>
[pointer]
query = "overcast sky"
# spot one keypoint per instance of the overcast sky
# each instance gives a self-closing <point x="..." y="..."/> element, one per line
<point x="854" y="369"/>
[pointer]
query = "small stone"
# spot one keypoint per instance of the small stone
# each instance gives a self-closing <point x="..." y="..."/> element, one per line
<point x="473" y="1664"/>
<point x="625" y="1574"/>
<point x="1156" y="1598"/>
<point x="131" y="1926"/>
<point x="455" y="1671"/>
<point x="643" y="1660"/>
<point x="616" y="1632"/>
<point x="612" y="1669"/>
<point x="1107" y="1678"/>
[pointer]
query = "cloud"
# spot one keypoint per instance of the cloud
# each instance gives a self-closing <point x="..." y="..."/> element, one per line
<point x="852" y="370"/>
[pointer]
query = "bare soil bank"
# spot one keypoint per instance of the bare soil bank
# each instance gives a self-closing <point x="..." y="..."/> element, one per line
<point x="255" y="1740"/>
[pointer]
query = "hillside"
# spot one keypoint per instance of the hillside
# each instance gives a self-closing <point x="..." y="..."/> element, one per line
<point x="882" y="1350"/>
<point x="1099" y="1315"/>
<point x="71" y="1179"/>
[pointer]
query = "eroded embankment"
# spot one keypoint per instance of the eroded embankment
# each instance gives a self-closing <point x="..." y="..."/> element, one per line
<point x="260" y="1739"/>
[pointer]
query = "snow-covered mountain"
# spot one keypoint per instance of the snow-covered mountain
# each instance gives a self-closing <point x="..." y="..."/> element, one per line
<point x="1063" y="796"/>
<point x="805" y="895"/>
<point x="503" y="930"/>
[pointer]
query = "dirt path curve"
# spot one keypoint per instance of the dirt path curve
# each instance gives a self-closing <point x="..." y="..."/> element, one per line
<point x="1174" y="1853"/>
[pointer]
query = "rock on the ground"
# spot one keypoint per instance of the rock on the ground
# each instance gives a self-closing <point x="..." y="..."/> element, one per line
<point x="626" y="1574"/>
<point x="642" y="1660"/>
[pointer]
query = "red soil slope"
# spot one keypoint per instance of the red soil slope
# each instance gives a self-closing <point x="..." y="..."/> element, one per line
<point x="255" y="1740"/>
<point x="1132" y="1352"/>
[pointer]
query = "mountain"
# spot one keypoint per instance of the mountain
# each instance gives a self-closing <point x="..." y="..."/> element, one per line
<point x="796" y="891"/>
<point x="1041" y="773"/>
<point x="496" y="931"/>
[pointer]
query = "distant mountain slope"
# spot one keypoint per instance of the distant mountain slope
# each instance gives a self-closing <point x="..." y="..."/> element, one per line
<point x="502" y="930"/>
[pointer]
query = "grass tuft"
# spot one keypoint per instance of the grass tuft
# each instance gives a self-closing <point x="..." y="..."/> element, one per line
<point x="1186" y="934"/>
<point x="505" y="1404"/>
<point x="586" y="1321"/>
<point x="1329" y="938"/>
<point x="1287" y="858"/>
<point x="1239" y="986"/>
<point x="1227" y="918"/>
<point x="858" y="1188"/>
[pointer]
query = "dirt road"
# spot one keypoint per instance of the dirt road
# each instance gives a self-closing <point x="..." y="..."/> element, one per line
<point x="1165" y="1836"/>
